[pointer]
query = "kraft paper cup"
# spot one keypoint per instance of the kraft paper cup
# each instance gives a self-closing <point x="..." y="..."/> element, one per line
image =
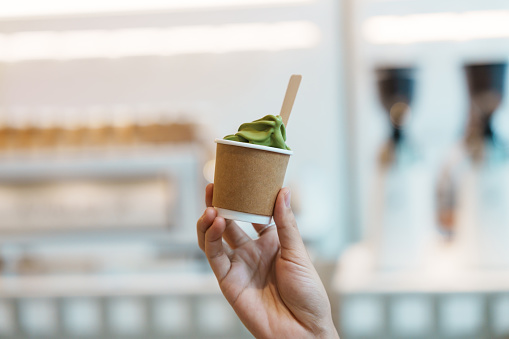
<point x="247" y="179"/>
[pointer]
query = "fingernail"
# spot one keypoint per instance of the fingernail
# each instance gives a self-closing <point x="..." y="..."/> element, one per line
<point x="288" y="198"/>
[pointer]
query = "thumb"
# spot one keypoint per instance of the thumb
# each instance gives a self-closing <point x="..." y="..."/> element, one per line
<point x="292" y="246"/>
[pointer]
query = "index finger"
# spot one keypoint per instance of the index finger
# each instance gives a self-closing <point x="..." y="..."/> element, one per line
<point x="215" y="250"/>
<point x="208" y="194"/>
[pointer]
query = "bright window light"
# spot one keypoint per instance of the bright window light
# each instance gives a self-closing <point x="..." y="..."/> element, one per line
<point x="69" y="45"/>
<point x="31" y="8"/>
<point x="432" y="27"/>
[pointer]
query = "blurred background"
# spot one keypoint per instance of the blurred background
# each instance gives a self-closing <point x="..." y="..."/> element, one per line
<point x="400" y="178"/>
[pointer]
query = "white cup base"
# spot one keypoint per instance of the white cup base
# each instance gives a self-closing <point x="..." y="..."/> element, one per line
<point x="241" y="216"/>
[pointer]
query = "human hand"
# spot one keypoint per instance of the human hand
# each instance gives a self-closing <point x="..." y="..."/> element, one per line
<point x="270" y="282"/>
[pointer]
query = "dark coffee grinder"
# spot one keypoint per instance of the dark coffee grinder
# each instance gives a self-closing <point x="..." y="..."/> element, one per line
<point x="485" y="88"/>
<point x="396" y="89"/>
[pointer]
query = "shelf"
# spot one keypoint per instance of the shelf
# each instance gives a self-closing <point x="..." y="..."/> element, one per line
<point x="356" y="274"/>
<point x="171" y="236"/>
<point x="114" y="285"/>
<point x="96" y="163"/>
<point x="64" y="175"/>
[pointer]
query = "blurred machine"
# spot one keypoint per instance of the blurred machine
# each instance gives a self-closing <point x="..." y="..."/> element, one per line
<point x="472" y="190"/>
<point x="396" y="90"/>
<point x="401" y="184"/>
<point x="413" y="278"/>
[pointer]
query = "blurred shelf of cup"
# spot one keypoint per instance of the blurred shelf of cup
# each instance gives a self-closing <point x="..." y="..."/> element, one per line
<point x="98" y="170"/>
<point x="25" y="130"/>
<point x="157" y="190"/>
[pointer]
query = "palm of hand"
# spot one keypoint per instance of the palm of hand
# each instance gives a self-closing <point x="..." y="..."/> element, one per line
<point x="263" y="288"/>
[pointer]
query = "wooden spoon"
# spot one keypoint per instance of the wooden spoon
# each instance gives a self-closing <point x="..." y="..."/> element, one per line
<point x="291" y="93"/>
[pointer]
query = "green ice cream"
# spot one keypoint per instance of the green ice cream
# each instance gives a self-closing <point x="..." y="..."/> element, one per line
<point x="267" y="131"/>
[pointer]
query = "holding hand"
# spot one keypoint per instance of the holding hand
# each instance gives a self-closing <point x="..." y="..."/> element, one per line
<point x="270" y="282"/>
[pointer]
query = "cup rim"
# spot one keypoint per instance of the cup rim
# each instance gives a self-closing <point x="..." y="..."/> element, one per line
<point x="248" y="145"/>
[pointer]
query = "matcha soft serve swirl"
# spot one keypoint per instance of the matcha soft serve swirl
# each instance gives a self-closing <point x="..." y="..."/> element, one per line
<point x="267" y="131"/>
